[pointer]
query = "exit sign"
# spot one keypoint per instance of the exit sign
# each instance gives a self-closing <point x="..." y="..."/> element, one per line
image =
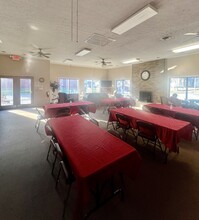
<point x="15" y="57"/>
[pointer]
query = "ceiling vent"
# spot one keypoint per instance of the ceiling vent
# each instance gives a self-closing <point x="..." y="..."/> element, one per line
<point x="99" y="40"/>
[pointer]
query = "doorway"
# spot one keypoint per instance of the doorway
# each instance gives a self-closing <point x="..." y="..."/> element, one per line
<point x="16" y="92"/>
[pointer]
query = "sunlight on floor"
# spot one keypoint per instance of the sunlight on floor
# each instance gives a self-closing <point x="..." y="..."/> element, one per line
<point x="24" y="113"/>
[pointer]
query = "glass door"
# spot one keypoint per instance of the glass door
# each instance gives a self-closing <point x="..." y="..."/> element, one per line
<point x="25" y="91"/>
<point x="15" y="91"/>
<point x="6" y="91"/>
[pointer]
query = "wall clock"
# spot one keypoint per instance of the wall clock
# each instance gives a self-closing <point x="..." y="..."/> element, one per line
<point x="41" y="80"/>
<point x="145" y="75"/>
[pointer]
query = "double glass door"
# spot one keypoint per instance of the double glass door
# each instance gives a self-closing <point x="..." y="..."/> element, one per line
<point x="15" y="91"/>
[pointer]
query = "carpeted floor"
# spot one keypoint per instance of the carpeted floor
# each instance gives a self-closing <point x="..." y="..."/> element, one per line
<point x="27" y="188"/>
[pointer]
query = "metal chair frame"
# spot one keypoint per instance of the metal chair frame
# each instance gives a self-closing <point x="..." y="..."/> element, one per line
<point x="40" y="117"/>
<point x="147" y="132"/>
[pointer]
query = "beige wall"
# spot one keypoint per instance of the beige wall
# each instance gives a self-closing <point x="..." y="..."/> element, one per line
<point x="155" y="84"/>
<point x="80" y="73"/>
<point x="119" y="73"/>
<point x="36" y="69"/>
<point x="158" y="83"/>
<point x="185" y="66"/>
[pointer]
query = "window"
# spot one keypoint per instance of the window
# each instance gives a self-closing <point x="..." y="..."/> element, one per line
<point x="123" y="87"/>
<point x="185" y="87"/>
<point x="91" y="86"/>
<point x="69" y="86"/>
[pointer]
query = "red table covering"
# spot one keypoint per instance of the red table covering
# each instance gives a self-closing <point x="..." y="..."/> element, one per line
<point x="166" y="110"/>
<point x="94" y="154"/>
<point x="169" y="130"/>
<point x="52" y="109"/>
<point x="113" y="101"/>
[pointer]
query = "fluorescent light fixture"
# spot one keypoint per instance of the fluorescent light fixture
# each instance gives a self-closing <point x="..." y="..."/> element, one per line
<point x="1" y="41"/>
<point x="142" y="15"/>
<point x="130" y="61"/>
<point x="191" y="34"/>
<point x="172" y="67"/>
<point x="83" y="52"/>
<point x="186" y="48"/>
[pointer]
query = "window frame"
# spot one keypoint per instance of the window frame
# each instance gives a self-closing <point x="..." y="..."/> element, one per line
<point x="186" y="84"/>
<point x="123" y="86"/>
<point x="69" y="79"/>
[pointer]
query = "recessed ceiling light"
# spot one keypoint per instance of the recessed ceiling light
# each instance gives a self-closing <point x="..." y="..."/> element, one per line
<point x="131" y="61"/>
<point x="186" y="48"/>
<point x="67" y="60"/>
<point x="83" y="52"/>
<point x="34" y="28"/>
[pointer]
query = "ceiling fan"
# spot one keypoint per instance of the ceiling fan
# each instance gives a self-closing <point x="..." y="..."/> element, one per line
<point x="40" y="52"/>
<point x="104" y="62"/>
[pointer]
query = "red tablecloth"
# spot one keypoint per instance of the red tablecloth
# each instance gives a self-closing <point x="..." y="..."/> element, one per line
<point x="51" y="109"/>
<point x="169" y="130"/>
<point x="166" y="110"/>
<point x="113" y="101"/>
<point x="94" y="154"/>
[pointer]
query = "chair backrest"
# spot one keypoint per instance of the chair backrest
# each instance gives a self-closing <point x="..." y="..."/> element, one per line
<point x="123" y="121"/>
<point x="146" y="130"/>
<point x="67" y="172"/>
<point x="94" y="121"/>
<point x="164" y="100"/>
<point x="115" y="133"/>
<point x="156" y="111"/>
<point x="40" y="114"/>
<point x="62" y="97"/>
<point x="111" y="107"/>
<point x="48" y="130"/>
<point x="63" y="112"/>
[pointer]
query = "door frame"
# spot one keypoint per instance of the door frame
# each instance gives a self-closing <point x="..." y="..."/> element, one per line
<point x="16" y="92"/>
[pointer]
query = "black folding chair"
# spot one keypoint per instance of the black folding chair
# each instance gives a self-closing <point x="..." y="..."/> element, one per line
<point x="147" y="132"/>
<point x="124" y="123"/>
<point x="63" y="112"/>
<point x="69" y="178"/>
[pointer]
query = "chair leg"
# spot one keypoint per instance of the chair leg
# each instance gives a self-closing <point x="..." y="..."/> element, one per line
<point x="196" y="132"/>
<point x="58" y="175"/>
<point x="66" y="200"/>
<point x="38" y="125"/>
<point x="54" y="162"/>
<point x="49" y="151"/>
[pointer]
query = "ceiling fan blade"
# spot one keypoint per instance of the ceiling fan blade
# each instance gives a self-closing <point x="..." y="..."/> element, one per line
<point x="35" y="46"/>
<point x="46" y="56"/>
<point x="46" y="53"/>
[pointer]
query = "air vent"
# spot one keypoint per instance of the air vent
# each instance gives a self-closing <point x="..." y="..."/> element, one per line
<point x="99" y="40"/>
